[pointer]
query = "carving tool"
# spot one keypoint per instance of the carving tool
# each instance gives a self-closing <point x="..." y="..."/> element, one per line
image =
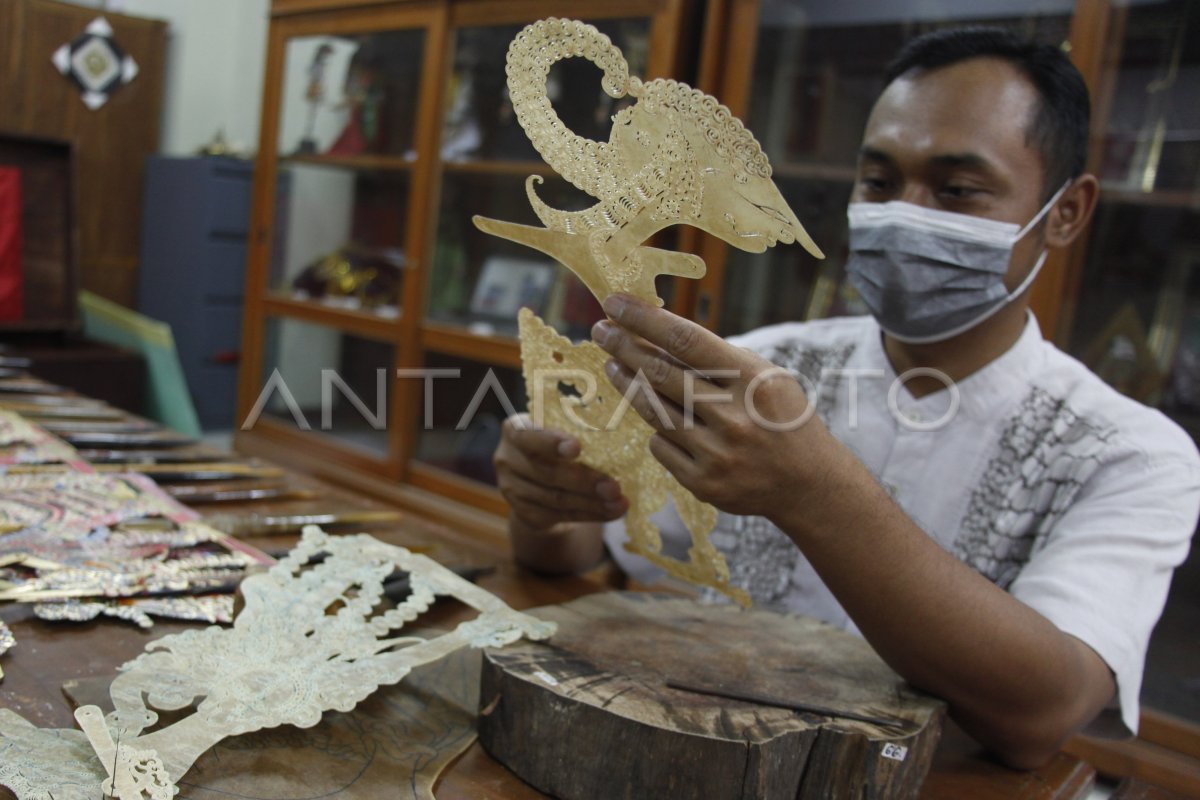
<point x="32" y="399"/>
<point x="259" y="524"/>
<point x="68" y="427"/>
<point x="152" y="438"/>
<point x="35" y="412"/>
<point x="149" y="457"/>
<point x="19" y="386"/>
<point x="205" y="471"/>
<point x="38" y="401"/>
<point x="241" y="495"/>
<point x="398" y="584"/>
<point x="186" y="492"/>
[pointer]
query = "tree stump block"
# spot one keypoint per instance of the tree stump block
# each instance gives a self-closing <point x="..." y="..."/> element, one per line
<point x="588" y="715"/>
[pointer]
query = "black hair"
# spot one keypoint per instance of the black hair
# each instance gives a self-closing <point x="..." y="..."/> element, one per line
<point x="1059" y="129"/>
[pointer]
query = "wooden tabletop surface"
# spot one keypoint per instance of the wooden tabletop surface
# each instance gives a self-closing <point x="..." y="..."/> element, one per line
<point x="50" y="654"/>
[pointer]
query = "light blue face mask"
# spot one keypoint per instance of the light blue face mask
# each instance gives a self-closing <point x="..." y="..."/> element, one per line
<point x="929" y="275"/>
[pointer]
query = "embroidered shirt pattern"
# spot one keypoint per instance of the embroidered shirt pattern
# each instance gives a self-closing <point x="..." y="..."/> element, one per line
<point x="1045" y="455"/>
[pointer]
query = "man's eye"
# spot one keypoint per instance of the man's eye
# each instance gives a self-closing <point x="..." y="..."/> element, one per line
<point x="959" y="192"/>
<point x="874" y="184"/>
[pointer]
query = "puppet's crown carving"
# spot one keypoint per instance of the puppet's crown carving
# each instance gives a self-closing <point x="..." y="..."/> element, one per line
<point x="675" y="156"/>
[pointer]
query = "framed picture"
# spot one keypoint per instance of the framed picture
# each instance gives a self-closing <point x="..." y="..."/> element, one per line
<point x="508" y="284"/>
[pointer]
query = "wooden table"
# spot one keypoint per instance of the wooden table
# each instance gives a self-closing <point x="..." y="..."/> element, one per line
<point x="51" y="654"/>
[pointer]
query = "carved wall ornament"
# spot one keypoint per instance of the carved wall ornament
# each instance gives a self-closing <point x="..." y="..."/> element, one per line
<point x="95" y="63"/>
<point x="676" y="156"/>
<point x="315" y="635"/>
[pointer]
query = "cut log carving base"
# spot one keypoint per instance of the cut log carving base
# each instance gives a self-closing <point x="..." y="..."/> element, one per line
<point x="588" y="715"/>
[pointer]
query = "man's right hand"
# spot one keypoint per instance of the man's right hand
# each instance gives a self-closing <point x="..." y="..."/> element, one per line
<point x="539" y="475"/>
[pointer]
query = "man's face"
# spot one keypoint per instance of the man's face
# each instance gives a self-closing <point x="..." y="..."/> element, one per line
<point x="955" y="139"/>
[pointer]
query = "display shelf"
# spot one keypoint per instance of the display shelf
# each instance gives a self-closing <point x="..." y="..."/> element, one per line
<point x="336" y="456"/>
<point x="448" y="484"/>
<point x="1159" y="198"/>
<point x="361" y="162"/>
<point x="361" y="99"/>
<point x="453" y="340"/>
<point x="345" y="304"/>
<point x="362" y="323"/>
<point x="498" y="167"/>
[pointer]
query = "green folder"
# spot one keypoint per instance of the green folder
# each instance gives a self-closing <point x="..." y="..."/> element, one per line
<point x="168" y="400"/>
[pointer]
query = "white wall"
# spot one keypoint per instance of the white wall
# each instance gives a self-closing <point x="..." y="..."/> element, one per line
<point x="319" y="209"/>
<point x="216" y="54"/>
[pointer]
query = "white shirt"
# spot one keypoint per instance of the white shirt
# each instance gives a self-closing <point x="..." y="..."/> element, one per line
<point x="1077" y="500"/>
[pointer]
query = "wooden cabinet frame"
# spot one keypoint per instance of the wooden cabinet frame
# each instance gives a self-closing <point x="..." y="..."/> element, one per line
<point x="261" y="305"/>
<point x="726" y="69"/>
<point x="412" y="337"/>
<point x="725" y="37"/>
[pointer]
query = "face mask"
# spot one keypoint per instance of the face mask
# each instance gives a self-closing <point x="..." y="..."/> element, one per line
<point x="929" y="275"/>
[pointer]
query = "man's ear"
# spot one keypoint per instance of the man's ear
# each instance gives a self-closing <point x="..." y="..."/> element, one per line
<point x="1073" y="211"/>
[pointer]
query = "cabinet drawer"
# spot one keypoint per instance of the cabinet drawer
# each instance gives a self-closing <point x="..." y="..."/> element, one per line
<point x="223" y="263"/>
<point x="215" y="395"/>
<point x="221" y="333"/>
<point x="229" y="204"/>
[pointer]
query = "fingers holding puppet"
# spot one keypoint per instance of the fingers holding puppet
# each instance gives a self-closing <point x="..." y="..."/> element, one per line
<point x="736" y="430"/>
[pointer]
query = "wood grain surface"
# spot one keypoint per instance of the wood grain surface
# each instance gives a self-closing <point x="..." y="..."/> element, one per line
<point x="604" y="683"/>
<point x="393" y="744"/>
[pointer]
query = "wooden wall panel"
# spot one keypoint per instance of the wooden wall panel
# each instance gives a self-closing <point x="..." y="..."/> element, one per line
<point x="111" y="143"/>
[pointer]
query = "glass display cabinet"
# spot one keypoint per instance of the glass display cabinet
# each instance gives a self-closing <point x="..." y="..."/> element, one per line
<point x="804" y="74"/>
<point x="391" y="126"/>
<point x="1130" y="305"/>
<point x="350" y="92"/>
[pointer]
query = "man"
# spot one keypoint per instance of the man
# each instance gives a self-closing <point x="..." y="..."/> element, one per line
<point x="999" y="524"/>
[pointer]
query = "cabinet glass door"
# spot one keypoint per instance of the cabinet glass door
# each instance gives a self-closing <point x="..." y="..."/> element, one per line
<point x="321" y="380"/>
<point x="464" y="404"/>
<point x="479" y="282"/>
<point x="818" y="69"/>
<point x="346" y="150"/>
<point x="1136" y="318"/>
